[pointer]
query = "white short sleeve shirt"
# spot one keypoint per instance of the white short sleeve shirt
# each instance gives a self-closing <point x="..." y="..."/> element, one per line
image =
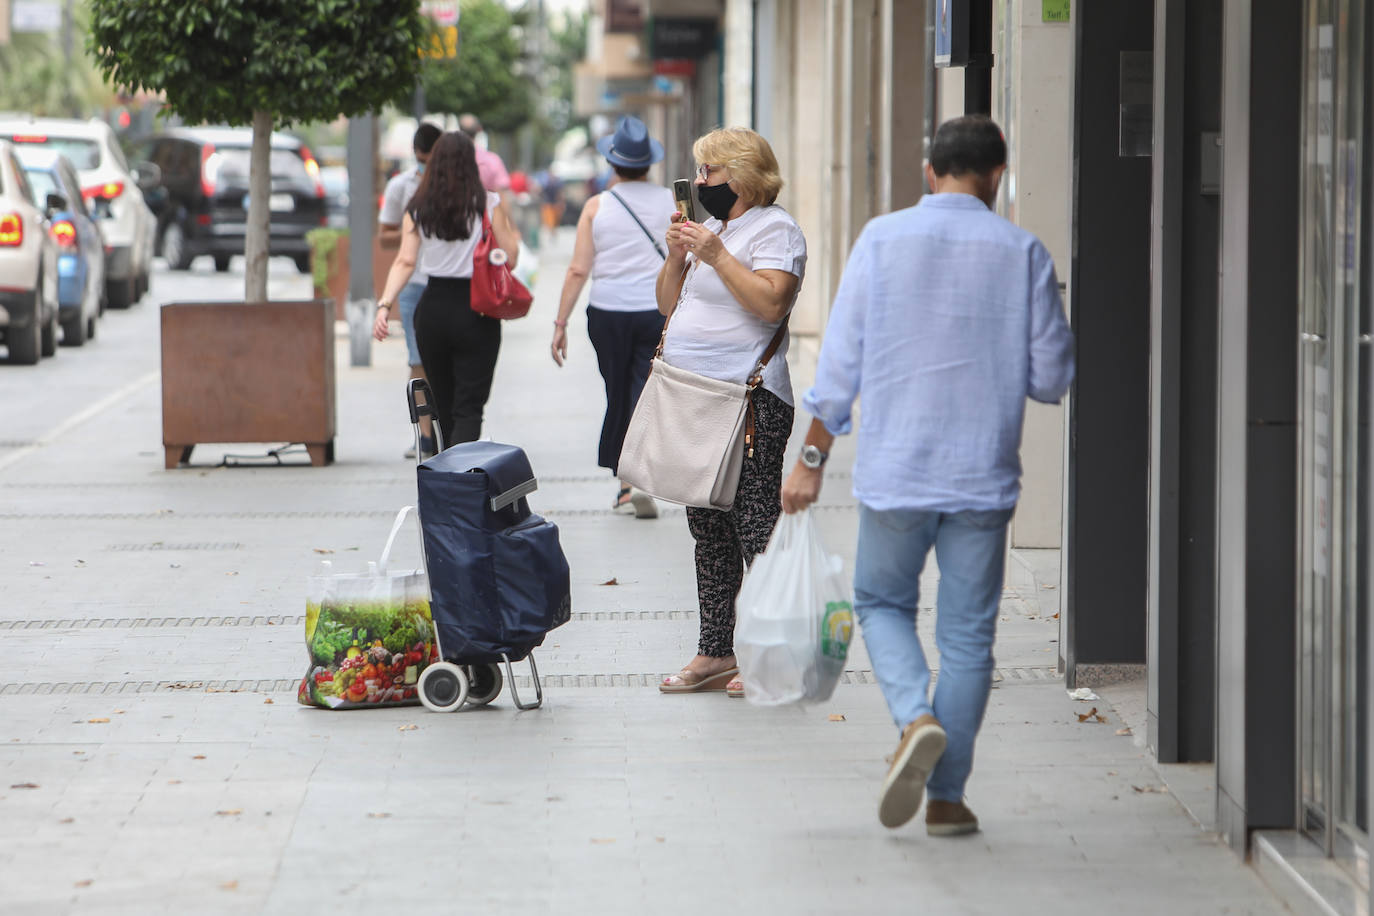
<point x="439" y="258"/>
<point x="399" y="190"/>
<point x="710" y="332"/>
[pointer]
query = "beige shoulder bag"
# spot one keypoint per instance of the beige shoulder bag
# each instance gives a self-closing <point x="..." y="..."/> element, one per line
<point x="689" y="434"/>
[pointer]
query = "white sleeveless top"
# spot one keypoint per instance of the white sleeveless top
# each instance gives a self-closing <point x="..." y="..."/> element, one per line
<point x="452" y="259"/>
<point x="625" y="266"/>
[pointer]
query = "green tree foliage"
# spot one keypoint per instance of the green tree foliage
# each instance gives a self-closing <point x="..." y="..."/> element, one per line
<point x="220" y="61"/>
<point x="261" y="62"/>
<point x="35" y="77"/>
<point x="488" y="76"/>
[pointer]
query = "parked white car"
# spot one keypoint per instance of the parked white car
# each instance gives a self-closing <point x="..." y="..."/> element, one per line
<point x="28" y="267"/>
<point x="112" y="189"/>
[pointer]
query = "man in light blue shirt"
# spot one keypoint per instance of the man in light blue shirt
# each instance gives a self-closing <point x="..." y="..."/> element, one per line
<point x="947" y="318"/>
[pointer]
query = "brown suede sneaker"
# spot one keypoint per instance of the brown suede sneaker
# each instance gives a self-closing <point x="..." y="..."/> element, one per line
<point x="923" y="741"/>
<point x="945" y="818"/>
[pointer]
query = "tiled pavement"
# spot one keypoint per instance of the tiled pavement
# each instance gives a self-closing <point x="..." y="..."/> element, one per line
<point x="150" y="623"/>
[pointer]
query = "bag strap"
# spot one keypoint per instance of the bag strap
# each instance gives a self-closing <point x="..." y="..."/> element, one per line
<point x="385" y="559"/>
<point x="647" y="234"/>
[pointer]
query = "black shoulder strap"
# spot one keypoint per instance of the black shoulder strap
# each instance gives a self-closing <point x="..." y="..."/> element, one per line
<point x="647" y="234"/>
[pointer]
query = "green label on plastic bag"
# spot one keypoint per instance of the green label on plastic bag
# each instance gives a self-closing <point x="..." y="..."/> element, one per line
<point x="837" y="626"/>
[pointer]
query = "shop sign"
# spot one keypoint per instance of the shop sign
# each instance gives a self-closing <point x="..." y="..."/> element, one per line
<point x="1054" y="10"/>
<point x="624" y="16"/>
<point x="675" y="66"/>
<point x="686" y="38"/>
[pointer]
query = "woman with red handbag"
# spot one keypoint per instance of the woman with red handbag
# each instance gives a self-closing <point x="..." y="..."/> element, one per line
<point x="450" y="223"/>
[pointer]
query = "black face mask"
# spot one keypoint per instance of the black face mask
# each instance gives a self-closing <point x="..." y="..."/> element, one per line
<point x="717" y="199"/>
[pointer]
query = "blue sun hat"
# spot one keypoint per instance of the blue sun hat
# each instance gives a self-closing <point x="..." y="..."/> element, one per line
<point x="630" y="147"/>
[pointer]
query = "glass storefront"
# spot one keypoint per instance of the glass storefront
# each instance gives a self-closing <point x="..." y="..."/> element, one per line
<point x="1333" y="337"/>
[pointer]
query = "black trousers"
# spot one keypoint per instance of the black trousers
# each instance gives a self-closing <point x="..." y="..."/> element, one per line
<point x="728" y="540"/>
<point x="458" y="349"/>
<point x="625" y="343"/>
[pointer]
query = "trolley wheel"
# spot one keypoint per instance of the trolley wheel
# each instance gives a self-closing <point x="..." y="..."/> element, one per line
<point x="486" y="681"/>
<point x="443" y="687"/>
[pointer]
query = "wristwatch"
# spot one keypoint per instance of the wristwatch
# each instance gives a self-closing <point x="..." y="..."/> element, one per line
<point x="384" y="304"/>
<point x="812" y="457"/>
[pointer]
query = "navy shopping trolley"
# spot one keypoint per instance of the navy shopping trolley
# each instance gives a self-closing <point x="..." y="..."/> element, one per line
<point x="498" y="579"/>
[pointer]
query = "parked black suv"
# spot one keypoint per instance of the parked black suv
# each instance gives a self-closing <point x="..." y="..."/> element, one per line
<point x="205" y="209"/>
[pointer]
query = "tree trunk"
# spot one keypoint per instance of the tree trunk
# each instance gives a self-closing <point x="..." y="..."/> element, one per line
<point x="256" y="241"/>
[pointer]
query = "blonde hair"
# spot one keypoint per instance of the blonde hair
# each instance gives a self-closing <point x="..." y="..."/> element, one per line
<point x="748" y="157"/>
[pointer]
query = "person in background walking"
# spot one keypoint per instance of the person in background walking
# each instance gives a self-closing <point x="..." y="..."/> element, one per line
<point x="728" y="286"/>
<point x="399" y="190"/>
<point x="946" y="319"/>
<point x="489" y="164"/>
<point x="439" y="233"/>
<point x="618" y="247"/>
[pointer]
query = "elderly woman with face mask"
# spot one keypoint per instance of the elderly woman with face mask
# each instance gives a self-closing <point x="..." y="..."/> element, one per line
<point x="728" y="285"/>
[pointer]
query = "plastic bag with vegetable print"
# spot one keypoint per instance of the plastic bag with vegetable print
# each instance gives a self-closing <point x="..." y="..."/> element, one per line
<point x="369" y="635"/>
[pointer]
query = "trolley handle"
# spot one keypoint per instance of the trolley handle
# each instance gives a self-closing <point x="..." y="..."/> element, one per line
<point x="515" y="493"/>
<point x="418" y="410"/>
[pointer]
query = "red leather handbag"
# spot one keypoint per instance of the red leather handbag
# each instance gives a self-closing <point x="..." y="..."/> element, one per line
<point x="495" y="291"/>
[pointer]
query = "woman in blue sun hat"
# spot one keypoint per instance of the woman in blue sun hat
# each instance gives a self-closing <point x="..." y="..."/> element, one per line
<point x="619" y="247"/>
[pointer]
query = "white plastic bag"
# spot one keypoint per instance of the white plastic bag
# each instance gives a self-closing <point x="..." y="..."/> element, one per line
<point x="794" y="618"/>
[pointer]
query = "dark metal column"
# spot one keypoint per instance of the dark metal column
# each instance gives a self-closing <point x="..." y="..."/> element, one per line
<point x="1183" y="308"/>
<point x="1107" y="519"/>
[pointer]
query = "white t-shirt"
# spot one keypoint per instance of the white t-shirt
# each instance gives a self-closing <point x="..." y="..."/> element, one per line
<point x="710" y="333"/>
<point x="399" y="190"/>
<point x="453" y="259"/>
<point x="626" y="264"/>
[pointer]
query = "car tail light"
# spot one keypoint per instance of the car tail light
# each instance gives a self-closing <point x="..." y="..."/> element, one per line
<point x="11" y="230"/>
<point x="64" y="233"/>
<point x="312" y="168"/>
<point x="29" y="138"/>
<point x="107" y="191"/>
<point x="203" y="219"/>
<point x="208" y="170"/>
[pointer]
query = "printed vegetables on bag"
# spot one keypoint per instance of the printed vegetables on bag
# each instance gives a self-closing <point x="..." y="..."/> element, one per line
<point x="367" y="654"/>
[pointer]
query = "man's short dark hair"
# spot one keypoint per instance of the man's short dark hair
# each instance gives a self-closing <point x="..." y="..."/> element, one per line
<point x="630" y="174"/>
<point x="972" y="143"/>
<point x="425" y="138"/>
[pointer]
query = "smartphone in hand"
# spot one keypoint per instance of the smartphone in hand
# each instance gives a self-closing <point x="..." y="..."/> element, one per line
<point x="682" y="197"/>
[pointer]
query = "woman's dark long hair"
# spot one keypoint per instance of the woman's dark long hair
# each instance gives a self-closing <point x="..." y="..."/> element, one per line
<point x="450" y="194"/>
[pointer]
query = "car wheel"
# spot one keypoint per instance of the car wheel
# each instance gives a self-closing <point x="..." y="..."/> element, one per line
<point x="174" y="247"/>
<point x="222" y="262"/>
<point x="75" y="332"/>
<point x="302" y="263"/>
<point x="49" y="335"/>
<point x="120" y="293"/>
<point x="25" y="344"/>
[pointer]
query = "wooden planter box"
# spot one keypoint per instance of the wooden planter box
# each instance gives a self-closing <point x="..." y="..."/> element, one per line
<point x="248" y="372"/>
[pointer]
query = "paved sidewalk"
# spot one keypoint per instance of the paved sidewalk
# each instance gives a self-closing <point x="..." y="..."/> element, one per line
<point x="153" y="758"/>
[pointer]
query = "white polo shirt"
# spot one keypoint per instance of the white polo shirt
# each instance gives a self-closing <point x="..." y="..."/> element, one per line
<point x="399" y="190"/>
<point x="710" y="333"/>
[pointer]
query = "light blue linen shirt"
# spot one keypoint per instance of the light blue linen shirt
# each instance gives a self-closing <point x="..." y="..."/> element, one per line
<point x="947" y="318"/>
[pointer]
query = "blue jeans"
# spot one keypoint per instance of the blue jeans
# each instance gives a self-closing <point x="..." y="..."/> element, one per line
<point x="970" y="548"/>
<point x="407" y="300"/>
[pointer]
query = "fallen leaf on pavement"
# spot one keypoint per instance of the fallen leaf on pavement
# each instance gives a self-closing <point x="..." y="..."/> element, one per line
<point x="231" y="573"/>
<point x="229" y="886"/>
<point x="268" y="701"/>
<point x="1101" y="718"/>
<point x="119" y="712"/>
<point x="611" y="581"/>
<point x="24" y="785"/>
<point x="1054" y="617"/>
<point x="229" y="812"/>
<point x="1124" y="731"/>
<point x="85" y="882"/>
<point x="379" y="814"/>
<point x="67" y="820"/>
<point x="1085" y="716"/>
<point x="1145" y="790"/>
<point x="174" y="782"/>
<point x="1047" y="586"/>
<point x="660" y="839"/>
<point x="406" y="728"/>
<point x="603" y="841"/>
<point x="323" y="550"/>
<point x="836" y="717"/>
<point x="99" y="720"/>
<point x="198" y="757"/>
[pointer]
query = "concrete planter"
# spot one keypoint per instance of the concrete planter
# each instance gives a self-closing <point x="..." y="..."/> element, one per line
<point x="248" y="372"/>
